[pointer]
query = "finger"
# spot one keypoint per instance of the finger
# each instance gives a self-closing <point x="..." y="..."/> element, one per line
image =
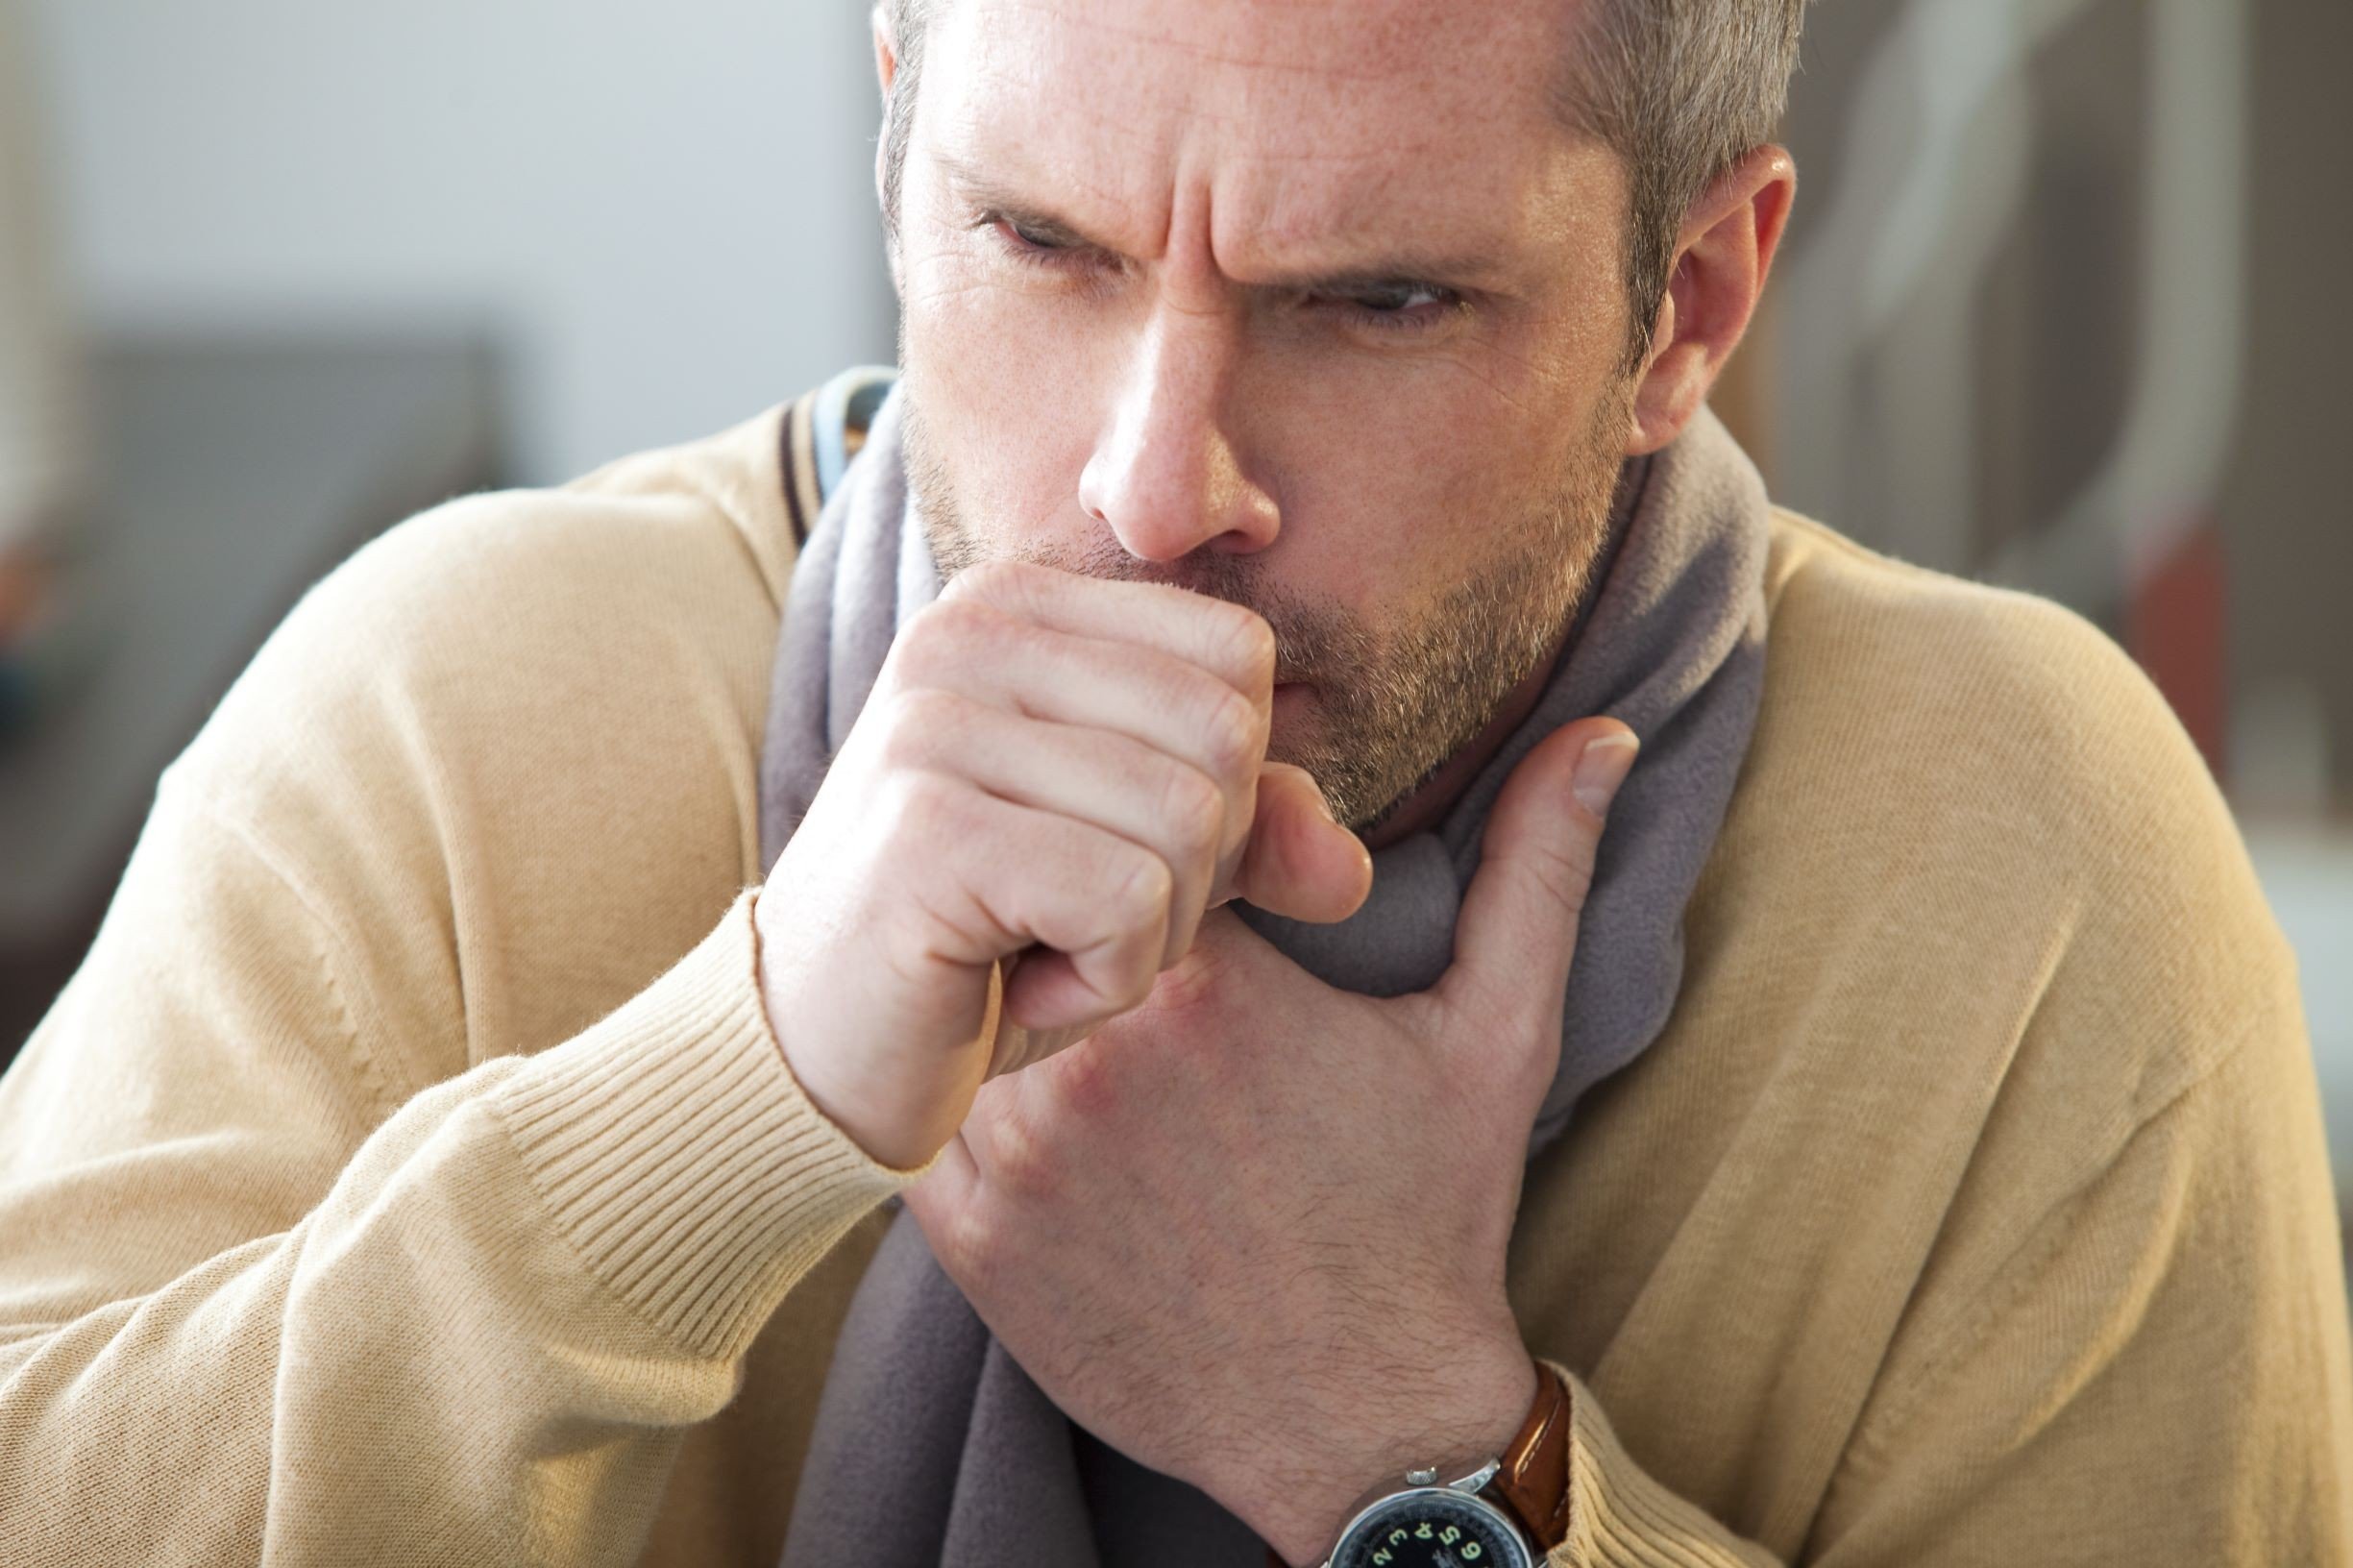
<point x="1100" y="683"/>
<point x="1046" y="985"/>
<point x="1516" y="932"/>
<point x="1231" y="641"/>
<point x="943" y="1194"/>
<point x="1298" y="862"/>
<point x="1124" y="688"/>
<point x="1005" y="875"/>
<point x="1011" y="1047"/>
<point x="1095" y="776"/>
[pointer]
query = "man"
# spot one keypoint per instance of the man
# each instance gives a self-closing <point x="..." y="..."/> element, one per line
<point x="469" y="1138"/>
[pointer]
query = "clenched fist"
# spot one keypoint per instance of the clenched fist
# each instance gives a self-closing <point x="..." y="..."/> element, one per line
<point x="1056" y="770"/>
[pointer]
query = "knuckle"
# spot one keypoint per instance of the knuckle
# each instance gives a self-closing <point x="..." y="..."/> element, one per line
<point x="1023" y="1162"/>
<point x="1262" y="650"/>
<point x="1088" y="1080"/>
<point x="1566" y="869"/>
<point x="1139" y="912"/>
<point x="1003" y="582"/>
<point x="921" y="808"/>
<point x="975" y="578"/>
<point x="923" y="720"/>
<point x="1141" y="890"/>
<point x="966" y="1241"/>
<point x="1249" y="641"/>
<point x="1137" y="979"/>
<point x="1528" y="1072"/>
<point x="1195" y="808"/>
<point x="1231" y="731"/>
<point x="946" y="628"/>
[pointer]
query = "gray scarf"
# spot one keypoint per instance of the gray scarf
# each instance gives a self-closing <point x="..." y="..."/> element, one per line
<point x="932" y="1446"/>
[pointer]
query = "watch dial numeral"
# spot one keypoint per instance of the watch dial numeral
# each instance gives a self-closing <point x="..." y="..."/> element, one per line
<point x="1426" y="1527"/>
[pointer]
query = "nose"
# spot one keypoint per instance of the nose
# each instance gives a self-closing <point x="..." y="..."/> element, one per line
<point x="1165" y="475"/>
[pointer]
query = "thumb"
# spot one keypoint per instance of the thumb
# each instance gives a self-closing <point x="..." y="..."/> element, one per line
<point x="1517" y="928"/>
<point x="1298" y="861"/>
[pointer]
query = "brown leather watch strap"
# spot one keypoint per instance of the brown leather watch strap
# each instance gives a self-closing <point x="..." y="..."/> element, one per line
<point x="1533" y="1483"/>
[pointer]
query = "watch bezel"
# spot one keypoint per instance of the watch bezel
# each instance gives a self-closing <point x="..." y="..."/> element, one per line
<point x="1370" y="1513"/>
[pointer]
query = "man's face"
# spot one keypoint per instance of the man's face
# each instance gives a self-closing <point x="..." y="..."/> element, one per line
<point x="1310" y="305"/>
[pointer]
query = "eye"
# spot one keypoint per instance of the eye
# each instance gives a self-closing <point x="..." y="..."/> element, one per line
<point x="1023" y="238"/>
<point x="1401" y="305"/>
<point x="1388" y="299"/>
<point x="1027" y="245"/>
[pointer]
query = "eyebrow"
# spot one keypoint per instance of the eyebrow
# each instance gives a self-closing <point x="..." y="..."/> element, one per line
<point x="1476" y="269"/>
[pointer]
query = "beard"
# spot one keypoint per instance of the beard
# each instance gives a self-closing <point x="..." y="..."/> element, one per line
<point x="1396" y="695"/>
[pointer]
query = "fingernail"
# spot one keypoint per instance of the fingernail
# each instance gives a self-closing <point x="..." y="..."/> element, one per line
<point x="1600" y="767"/>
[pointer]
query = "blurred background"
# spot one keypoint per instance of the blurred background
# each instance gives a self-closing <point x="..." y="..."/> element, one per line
<point x="2063" y="305"/>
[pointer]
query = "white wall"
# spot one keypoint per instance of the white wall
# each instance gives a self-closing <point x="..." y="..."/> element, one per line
<point x="667" y="209"/>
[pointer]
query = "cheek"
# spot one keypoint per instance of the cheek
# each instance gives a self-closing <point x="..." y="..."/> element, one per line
<point x="1384" y="496"/>
<point x="1403" y="465"/>
<point x="1005" y="383"/>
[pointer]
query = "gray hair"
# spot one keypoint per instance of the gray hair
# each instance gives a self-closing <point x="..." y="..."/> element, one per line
<point x="1680" y="89"/>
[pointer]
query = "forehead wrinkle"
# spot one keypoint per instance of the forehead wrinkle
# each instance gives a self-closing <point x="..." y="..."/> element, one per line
<point x="1352" y="42"/>
<point x="1286" y="234"/>
<point x="1032" y="172"/>
<point x="1364" y="224"/>
<point x="1043" y="66"/>
<point x="1136" y="34"/>
<point x="1316" y="191"/>
<point x="1068" y="197"/>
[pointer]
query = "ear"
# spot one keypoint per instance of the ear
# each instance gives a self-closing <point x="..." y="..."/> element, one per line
<point x="885" y="47"/>
<point x="1722" y="256"/>
<point x="886" y="71"/>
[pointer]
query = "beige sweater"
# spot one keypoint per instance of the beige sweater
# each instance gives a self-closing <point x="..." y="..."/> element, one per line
<point x="410" y="1175"/>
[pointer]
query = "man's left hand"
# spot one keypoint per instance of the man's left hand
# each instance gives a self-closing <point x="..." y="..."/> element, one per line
<point x="1252" y="1233"/>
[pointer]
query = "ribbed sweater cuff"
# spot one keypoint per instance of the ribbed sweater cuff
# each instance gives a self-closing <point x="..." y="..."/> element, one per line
<point x="1621" y="1518"/>
<point x="680" y="1156"/>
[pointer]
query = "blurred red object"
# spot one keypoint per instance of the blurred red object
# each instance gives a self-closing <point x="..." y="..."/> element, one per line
<point x="2178" y="631"/>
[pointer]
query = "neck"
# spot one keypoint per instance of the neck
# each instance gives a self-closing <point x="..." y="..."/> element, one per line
<point x="1433" y="795"/>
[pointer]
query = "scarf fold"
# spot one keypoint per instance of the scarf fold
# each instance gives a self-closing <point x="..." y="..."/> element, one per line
<point x="931" y="1445"/>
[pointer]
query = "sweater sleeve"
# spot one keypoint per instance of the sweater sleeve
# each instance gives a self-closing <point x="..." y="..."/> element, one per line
<point x="256" y="1307"/>
<point x="2157" y="1373"/>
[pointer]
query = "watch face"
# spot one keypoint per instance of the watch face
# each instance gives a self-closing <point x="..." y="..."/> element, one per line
<point x="1431" y="1527"/>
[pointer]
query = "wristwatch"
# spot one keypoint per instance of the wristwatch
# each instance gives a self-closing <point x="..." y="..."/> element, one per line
<point x="1509" y="1512"/>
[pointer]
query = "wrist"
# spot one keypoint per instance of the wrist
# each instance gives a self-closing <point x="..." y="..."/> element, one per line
<point x="1468" y="1409"/>
<point x="899" y="1120"/>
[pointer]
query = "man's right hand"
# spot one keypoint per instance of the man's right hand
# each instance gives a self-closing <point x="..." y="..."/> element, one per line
<point x="1065" y="768"/>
